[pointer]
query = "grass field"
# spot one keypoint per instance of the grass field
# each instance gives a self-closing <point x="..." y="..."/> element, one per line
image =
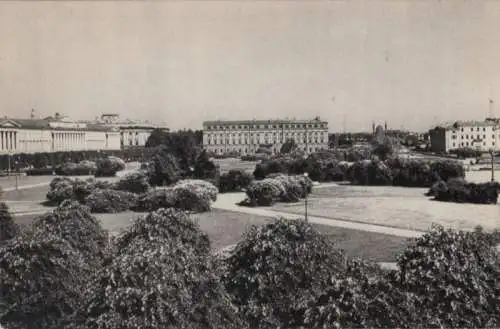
<point x="400" y="207"/>
<point x="226" y="228"/>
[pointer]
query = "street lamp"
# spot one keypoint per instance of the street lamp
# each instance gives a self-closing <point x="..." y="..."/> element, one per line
<point x="492" y="152"/>
<point x="306" y="175"/>
<point x="191" y="170"/>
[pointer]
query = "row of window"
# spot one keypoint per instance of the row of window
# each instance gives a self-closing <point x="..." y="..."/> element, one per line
<point x="466" y="144"/>
<point x="287" y="135"/>
<point x="246" y="150"/>
<point x="471" y="136"/>
<point x="253" y="141"/>
<point x="281" y="126"/>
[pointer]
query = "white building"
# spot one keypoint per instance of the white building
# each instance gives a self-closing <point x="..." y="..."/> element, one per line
<point x="479" y="135"/>
<point x="132" y="133"/>
<point x="245" y="137"/>
<point x="54" y="135"/>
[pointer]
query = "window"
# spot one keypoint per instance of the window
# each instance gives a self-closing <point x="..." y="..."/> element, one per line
<point x="484" y="136"/>
<point x="484" y="129"/>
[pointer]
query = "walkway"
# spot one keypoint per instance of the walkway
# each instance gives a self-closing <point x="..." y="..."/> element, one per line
<point x="228" y="201"/>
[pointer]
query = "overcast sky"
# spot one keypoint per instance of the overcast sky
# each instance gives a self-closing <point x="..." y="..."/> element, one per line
<point x="410" y="63"/>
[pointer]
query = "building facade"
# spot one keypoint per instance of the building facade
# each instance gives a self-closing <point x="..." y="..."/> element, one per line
<point x="479" y="135"/>
<point x="245" y="137"/>
<point x="132" y="133"/>
<point x="55" y="135"/>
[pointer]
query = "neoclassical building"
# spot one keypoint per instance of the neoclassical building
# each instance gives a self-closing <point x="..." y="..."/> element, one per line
<point x="246" y="136"/>
<point x="132" y="133"/>
<point x="480" y="135"/>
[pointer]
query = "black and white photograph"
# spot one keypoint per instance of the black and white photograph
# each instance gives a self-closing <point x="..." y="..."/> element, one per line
<point x="249" y="164"/>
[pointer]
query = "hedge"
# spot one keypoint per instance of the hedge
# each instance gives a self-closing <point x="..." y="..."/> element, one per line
<point x="460" y="191"/>
<point x="110" y="201"/>
<point x="280" y="188"/>
<point x="63" y="188"/>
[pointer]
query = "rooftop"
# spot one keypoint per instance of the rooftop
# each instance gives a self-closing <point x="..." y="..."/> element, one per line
<point x="270" y="121"/>
<point x="471" y="123"/>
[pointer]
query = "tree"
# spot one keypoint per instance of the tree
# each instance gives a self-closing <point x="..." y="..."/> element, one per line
<point x="157" y="137"/>
<point x="288" y="146"/>
<point x="164" y="168"/>
<point x="8" y="229"/>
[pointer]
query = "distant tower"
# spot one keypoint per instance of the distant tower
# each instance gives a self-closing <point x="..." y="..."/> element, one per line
<point x="491" y="112"/>
<point x="32" y="115"/>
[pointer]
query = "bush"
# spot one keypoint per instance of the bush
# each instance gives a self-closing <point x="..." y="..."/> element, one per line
<point x="234" y="181"/>
<point x="62" y="188"/>
<point x="453" y="276"/>
<point x="265" y="192"/>
<point x="166" y="225"/>
<point x="109" y="166"/>
<point x="83" y="168"/>
<point x="164" y="168"/>
<point x="40" y="172"/>
<point x="460" y="191"/>
<point x="73" y="222"/>
<point x="194" y="195"/>
<point x="190" y="195"/>
<point x="370" y="172"/>
<point x="294" y="190"/>
<point x="134" y="183"/>
<point x="160" y="277"/>
<point x="42" y="279"/>
<point x="275" y="268"/>
<point x="156" y="199"/>
<point x="110" y="201"/>
<point x="8" y="228"/>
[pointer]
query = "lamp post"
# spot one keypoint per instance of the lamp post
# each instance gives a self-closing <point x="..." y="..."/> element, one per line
<point x="306" y="175"/>
<point x="191" y="171"/>
<point x="492" y="152"/>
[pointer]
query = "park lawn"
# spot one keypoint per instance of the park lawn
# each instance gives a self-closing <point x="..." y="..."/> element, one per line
<point x="225" y="228"/>
<point x="34" y="194"/>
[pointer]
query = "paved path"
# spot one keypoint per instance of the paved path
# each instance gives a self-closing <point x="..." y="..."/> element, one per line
<point x="228" y="201"/>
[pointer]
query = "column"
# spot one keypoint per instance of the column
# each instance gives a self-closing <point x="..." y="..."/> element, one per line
<point x="12" y="140"/>
<point x="2" y="137"/>
<point x="7" y="140"/>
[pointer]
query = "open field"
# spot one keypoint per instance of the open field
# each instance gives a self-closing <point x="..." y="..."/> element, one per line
<point x="405" y="208"/>
<point x="225" y="228"/>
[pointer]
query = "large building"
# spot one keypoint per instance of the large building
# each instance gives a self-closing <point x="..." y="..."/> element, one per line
<point x="246" y="136"/>
<point x="132" y="133"/>
<point x="479" y="135"/>
<point x="54" y="134"/>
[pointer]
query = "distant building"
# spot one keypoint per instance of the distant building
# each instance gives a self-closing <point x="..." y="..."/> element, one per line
<point x="54" y="134"/>
<point x="132" y="133"/>
<point x="246" y="136"/>
<point x="479" y="135"/>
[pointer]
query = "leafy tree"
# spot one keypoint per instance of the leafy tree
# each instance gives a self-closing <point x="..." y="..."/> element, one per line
<point x="157" y="137"/>
<point x="8" y="228"/>
<point x="276" y="268"/>
<point x="288" y="146"/>
<point x="164" y="168"/>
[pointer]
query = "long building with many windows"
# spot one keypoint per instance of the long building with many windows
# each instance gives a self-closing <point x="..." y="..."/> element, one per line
<point x="479" y="135"/>
<point x="246" y="136"/>
<point x="55" y="134"/>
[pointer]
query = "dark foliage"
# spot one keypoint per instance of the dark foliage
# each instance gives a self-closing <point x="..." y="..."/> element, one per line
<point x="288" y="146"/>
<point x="134" y="182"/>
<point x="234" y="181"/>
<point x="41" y="279"/>
<point x="467" y="153"/>
<point x="109" y="166"/>
<point x="8" y="228"/>
<point x="205" y="169"/>
<point x="276" y="268"/>
<point x="370" y="172"/>
<point x="164" y="168"/>
<point x="460" y="191"/>
<point x="111" y="201"/>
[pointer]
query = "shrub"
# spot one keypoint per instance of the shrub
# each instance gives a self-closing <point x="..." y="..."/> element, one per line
<point x="194" y="195"/>
<point x="294" y="190"/>
<point x="42" y="279"/>
<point x="265" y="192"/>
<point x="460" y="191"/>
<point x="135" y="182"/>
<point x="369" y="172"/>
<point x="234" y="181"/>
<point x="160" y="277"/>
<point x="77" y="169"/>
<point x="275" y="268"/>
<point x="453" y="276"/>
<point x="74" y="223"/>
<point x="109" y="166"/>
<point x="40" y="172"/>
<point x="110" y="201"/>
<point x="156" y="199"/>
<point x="8" y="228"/>
<point x="61" y="189"/>
<point x="164" y="168"/>
<point x="166" y="225"/>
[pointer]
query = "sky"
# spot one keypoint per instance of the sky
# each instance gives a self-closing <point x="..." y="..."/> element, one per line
<point x="413" y="64"/>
